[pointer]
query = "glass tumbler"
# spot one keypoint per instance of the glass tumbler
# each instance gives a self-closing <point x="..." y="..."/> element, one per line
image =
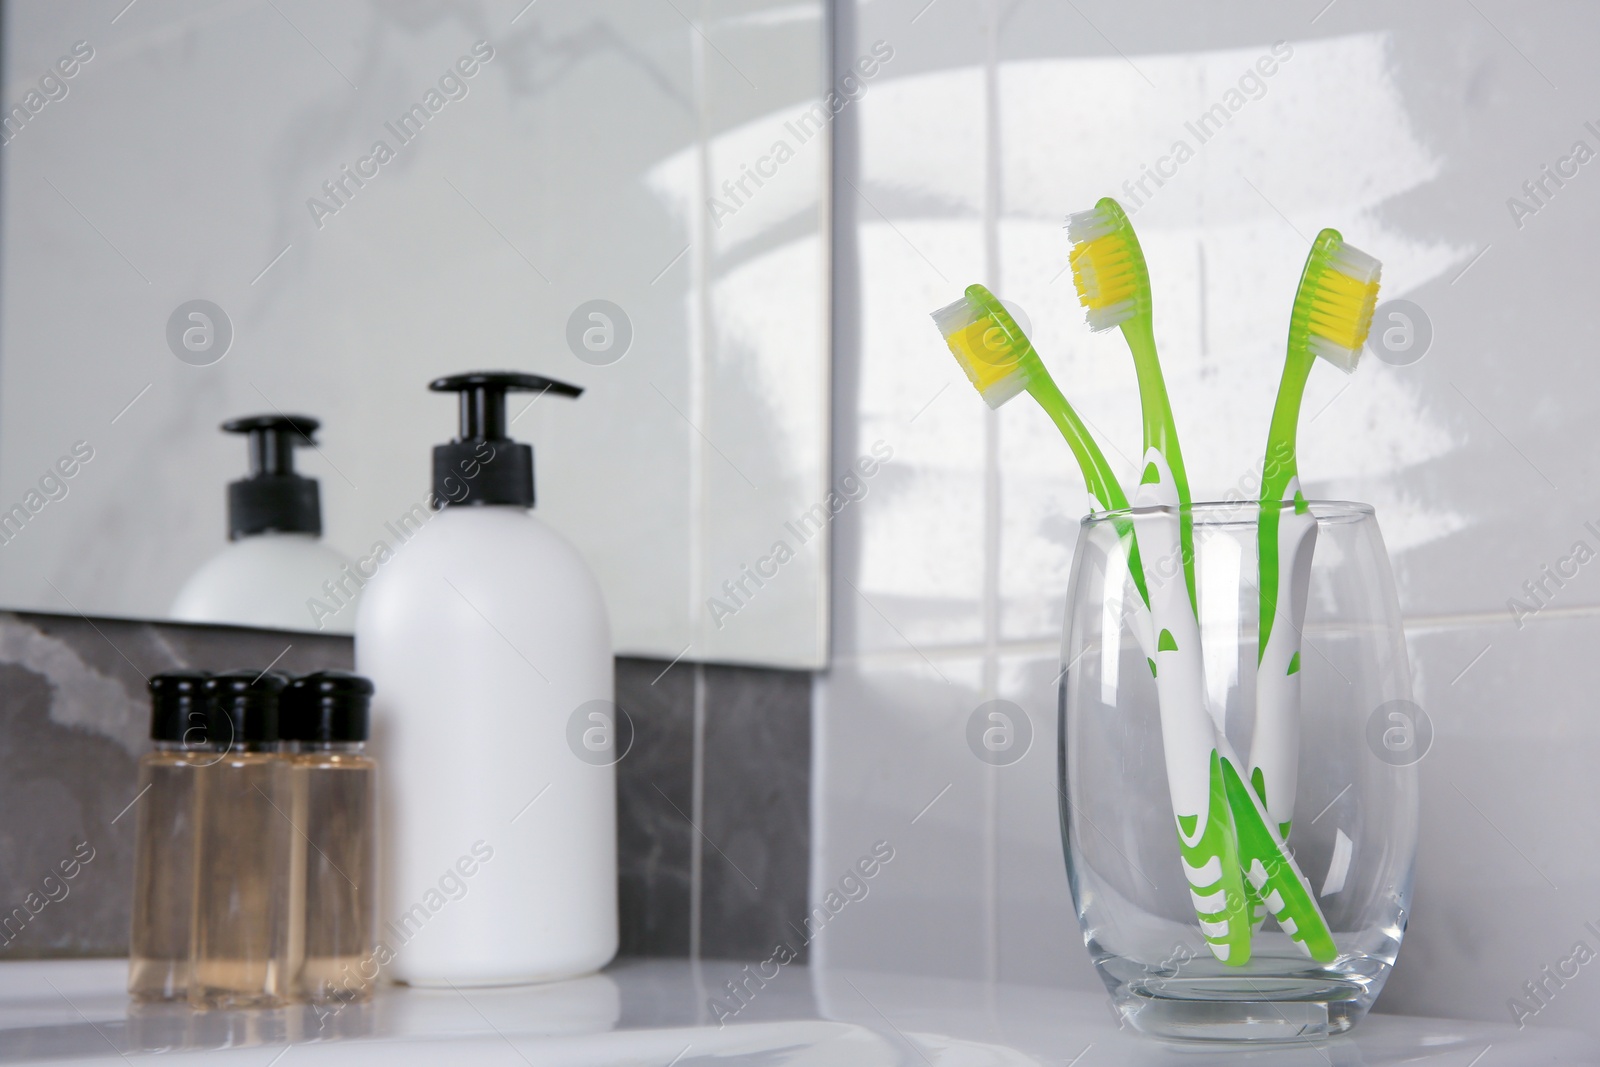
<point x="1317" y="722"/>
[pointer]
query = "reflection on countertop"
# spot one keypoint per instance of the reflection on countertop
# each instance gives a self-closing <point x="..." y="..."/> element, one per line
<point x="682" y="1013"/>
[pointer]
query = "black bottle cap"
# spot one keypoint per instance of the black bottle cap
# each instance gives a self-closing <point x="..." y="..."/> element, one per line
<point x="273" y="498"/>
<point x="465" y="471"/>
<point x="244" y="706"/>
<point x="180" y="708"/>
<point x="325" y="706"/>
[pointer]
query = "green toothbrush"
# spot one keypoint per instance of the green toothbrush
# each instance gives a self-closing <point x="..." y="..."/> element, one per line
<point x="1332" y="314"/>
<point x="997" y="356"/>
<point x="1113" y="282"/>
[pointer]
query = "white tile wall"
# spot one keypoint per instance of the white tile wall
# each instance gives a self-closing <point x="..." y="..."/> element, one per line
<point x="1406" y="126"/>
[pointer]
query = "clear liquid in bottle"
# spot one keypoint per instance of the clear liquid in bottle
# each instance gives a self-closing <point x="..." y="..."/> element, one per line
<point x="243" y="845"/>
<point x="164" y="836"/>
<point x="163" y="879"/>
<point x="241" y="881"/>
<point x="335" y="799"/>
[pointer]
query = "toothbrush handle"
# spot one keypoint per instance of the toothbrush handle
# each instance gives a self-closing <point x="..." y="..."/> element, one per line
<point x="1161" y="431"/>
<point x="1195" y="775"/>
<point x="1097" y="473"/>
<point x="1270" y="867"/>
<point x="1249" y="839"/>
<point x="1275" y="748"/>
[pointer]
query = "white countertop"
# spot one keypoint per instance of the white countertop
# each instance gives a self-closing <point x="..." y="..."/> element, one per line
<point x="657" y="1012"/>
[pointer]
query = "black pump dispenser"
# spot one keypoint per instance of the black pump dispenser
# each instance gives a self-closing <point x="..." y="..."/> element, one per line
<point x="273" y="498"/>
<point x="483" y="465"/>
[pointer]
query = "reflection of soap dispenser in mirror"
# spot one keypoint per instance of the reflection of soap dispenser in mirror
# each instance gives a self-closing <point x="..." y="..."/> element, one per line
<point x="277" y="572"/>
<point x="486" y="637"/>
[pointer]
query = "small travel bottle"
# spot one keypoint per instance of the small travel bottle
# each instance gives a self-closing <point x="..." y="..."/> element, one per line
<point x="239" y="941"/>
<point x="333" y="785"/>
<point x="163" y="849"/>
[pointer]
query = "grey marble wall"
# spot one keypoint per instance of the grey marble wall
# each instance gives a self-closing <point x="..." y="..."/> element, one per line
<point x="713" y="824"/>
<point x="714" y="827"/>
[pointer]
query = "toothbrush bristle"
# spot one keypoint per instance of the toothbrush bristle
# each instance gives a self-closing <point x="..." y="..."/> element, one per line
<point x="1340" y="296"/>
<point x="1107" y="267"/>
<point x="1115" y="315"/>
<point x="1087" y="225"/>
<point x="1364" y="268"/>
<point x="1343" y="358"/>
<point x="991" y="353"/>
<point x="955" y="316"/>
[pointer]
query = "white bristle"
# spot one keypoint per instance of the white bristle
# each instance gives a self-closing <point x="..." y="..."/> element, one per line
<point x="1109" y="317"/>
<point x="1087" y="225"/>
<point x="1350" y="260"/>
<point x="1343" y="358"/>
<point x="1004" y="389"/>
<point x="955" y="316"/>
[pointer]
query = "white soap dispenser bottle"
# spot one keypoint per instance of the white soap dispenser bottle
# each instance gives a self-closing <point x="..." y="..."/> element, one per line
<point x="276" y="572"/>
<point x="486" y="638"/>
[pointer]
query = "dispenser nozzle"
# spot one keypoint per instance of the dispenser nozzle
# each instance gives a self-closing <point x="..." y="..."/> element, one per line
<point x="273" y="498"/>
<point x="273" y="439"/>
<point x="483" y="398"/>
<point x="483" y="465"/>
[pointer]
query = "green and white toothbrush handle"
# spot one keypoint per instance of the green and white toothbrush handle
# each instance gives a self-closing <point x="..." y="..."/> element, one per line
<point x="1270" y="867"/>
<point x="1242" y="832"/>
<point x="1275" y="747"/>
<point x="1195" y="775"/>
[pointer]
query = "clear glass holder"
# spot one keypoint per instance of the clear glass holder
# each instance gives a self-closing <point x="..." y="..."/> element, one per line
<point x="1316" y="721"/>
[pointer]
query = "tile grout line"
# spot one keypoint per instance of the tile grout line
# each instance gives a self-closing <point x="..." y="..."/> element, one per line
<point x="1035" y="646"/>
<point x="1463" y="619"/>
<point x="700" y="328"/>
<point x="992" y="534"/>
<point x="697" y="791"/>
<point x="817" y="812"/>
<point x="700" y="334"/>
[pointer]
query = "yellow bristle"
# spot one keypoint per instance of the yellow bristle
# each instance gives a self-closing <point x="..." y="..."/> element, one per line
<point x="1336" y="300"/>
<point x="1101" y="270"/>
<point x="984" y="353"/>
<point x="993" y="351"/>
<point x="1342" y="308"/>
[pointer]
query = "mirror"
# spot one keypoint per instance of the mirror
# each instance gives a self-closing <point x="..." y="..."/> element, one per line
<point x="219" y="209"/>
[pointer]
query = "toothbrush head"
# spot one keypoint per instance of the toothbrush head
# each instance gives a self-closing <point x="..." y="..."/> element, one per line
<point x="991" y="348"/>
<point x="1108" y="265"/>
<point x="1334" y="305"/>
